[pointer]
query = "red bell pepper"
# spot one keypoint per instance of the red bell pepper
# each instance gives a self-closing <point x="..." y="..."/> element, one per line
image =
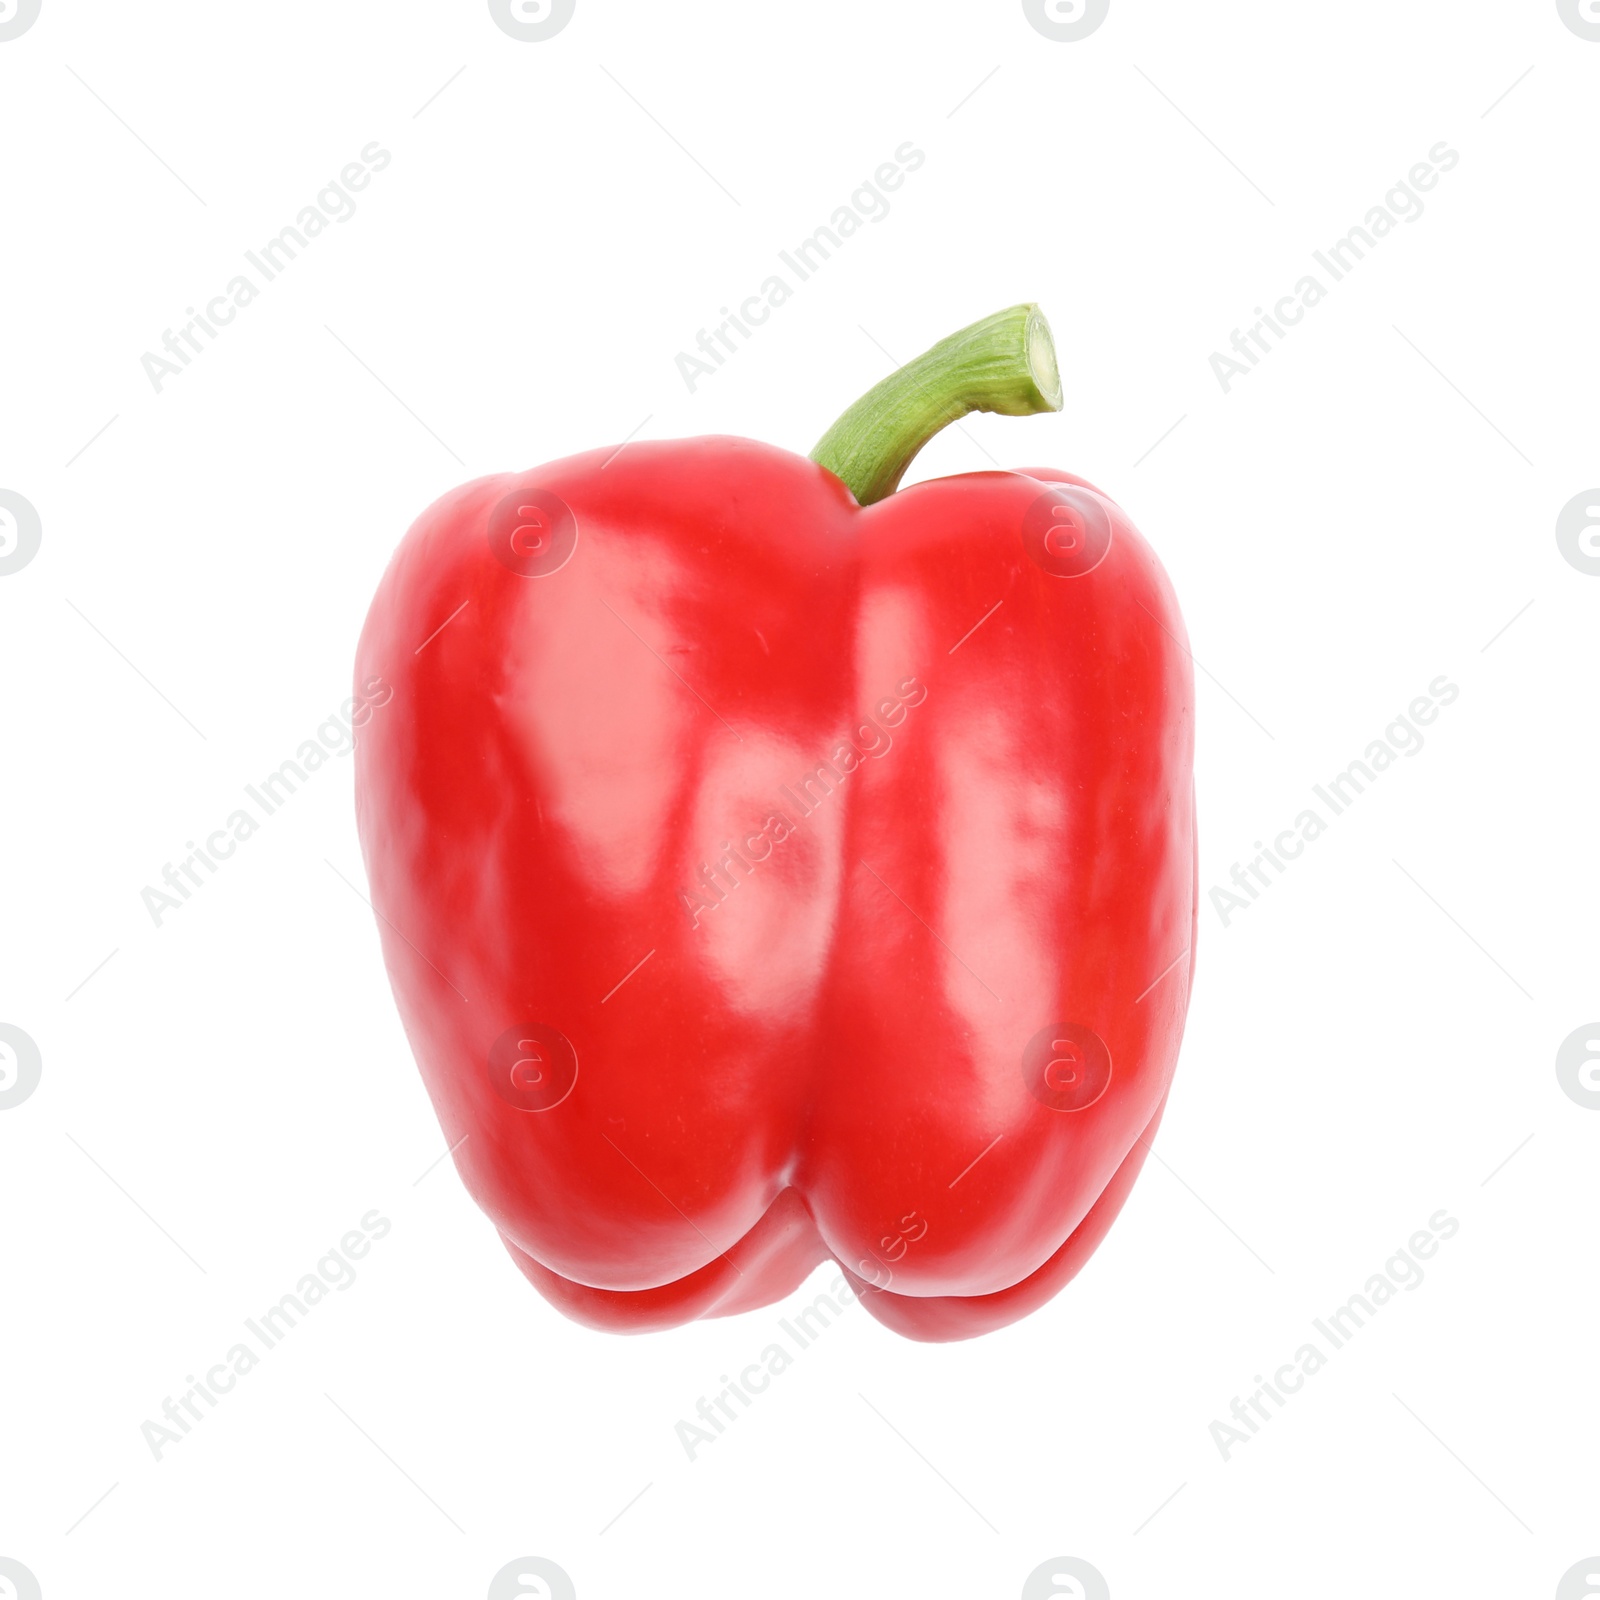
<point x="771" y="866"/>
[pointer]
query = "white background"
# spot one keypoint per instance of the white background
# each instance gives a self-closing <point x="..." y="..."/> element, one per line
<point x="1373" y="1040"/>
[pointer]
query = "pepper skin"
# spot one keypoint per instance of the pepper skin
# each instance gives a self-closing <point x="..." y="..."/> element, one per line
<point x="764" y="877"/>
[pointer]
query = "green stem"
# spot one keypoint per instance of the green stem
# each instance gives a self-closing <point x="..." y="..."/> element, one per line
<point x="1006" y="363"/>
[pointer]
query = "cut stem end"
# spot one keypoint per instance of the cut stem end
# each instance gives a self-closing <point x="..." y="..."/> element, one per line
<point x="1005" y="363"/>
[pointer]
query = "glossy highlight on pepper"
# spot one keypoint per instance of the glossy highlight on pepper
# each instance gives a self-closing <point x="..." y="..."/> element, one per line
<point x="775" y="865"/>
